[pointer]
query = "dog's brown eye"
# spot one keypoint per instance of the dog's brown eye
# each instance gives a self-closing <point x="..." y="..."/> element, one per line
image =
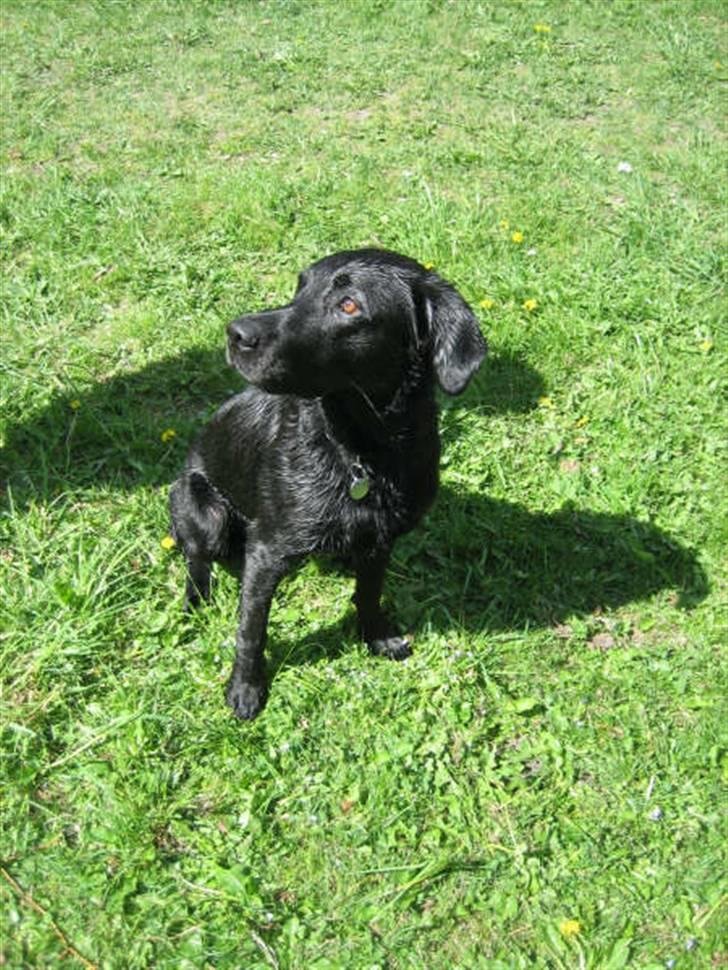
<point x="349" y="306"/>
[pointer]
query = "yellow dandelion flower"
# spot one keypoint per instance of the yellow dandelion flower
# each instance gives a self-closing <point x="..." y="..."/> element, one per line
<point x="429" y="265"/>
<point x="542" y="28"/>
<point x="487" y="304"/>
<point x="517" y="237"/>
<point x="168" y="435"/>
<point x="168" y="543"/>
<point x="504" y="224"/>
<point x="581" y="422"/>
<point x="530" y="305"/>
<point x="75" y="404"/>
<point x="570" y="927"/>
<point x="707" y="345"/>
<point x="545" y="402"/>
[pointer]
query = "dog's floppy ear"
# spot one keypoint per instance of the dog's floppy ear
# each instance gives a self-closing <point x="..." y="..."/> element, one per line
<point x="456" y="343"/>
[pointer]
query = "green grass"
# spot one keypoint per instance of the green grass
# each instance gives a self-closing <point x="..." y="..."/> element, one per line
<point x="554" y="749"/>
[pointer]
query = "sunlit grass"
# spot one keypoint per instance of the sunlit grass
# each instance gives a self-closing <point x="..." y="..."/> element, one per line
<point x="539" y="785"/>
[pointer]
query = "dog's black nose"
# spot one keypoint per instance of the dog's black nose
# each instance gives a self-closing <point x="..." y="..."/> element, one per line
<point x="242" y="336"/>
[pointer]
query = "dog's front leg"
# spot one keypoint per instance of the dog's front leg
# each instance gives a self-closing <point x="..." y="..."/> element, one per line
<point x="380" y="634"/>
<point x="247" y="688"/>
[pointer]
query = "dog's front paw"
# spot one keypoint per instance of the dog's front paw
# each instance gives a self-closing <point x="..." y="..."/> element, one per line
<point x="246" y="700"/>
<point x="394" y="648"/>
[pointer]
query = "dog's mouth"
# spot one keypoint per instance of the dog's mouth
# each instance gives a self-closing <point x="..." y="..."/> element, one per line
<point x="246" y="364"/>
<point x="263" y="374"/>
<point x="245" y="358"/>
<point x="232" y="359"/>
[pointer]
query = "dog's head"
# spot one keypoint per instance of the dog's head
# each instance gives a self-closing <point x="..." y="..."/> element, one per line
<point x="358" y="320"/>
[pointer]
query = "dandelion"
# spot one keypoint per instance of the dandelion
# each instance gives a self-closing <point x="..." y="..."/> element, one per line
<point x="530" y="305"/>
<point x="706" y="346"/>
<point x="168" y="435"/>
<point x="545" y="402"/>
<point x="429" y="266"/>
<point x="570" y="927"/>
<point x="581" y="422"/>
<point x="542" y="28"/>
<point x="75" y="404"/>
<point x="517" y="237"/>
<point x="168" y="543"/>
<point x="487" y="304"/>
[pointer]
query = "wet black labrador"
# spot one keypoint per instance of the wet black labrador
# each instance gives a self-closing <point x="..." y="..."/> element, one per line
<point x="334" y="449"/>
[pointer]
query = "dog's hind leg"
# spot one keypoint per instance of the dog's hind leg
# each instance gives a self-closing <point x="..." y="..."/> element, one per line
<point x="197" y="585"/>
<point x="200" y="524"/>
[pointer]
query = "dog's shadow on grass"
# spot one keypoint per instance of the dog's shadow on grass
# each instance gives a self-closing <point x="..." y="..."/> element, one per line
<point x="122" y="433"/>
<point x="500" y="566"/>
<point x="486" y="564"/>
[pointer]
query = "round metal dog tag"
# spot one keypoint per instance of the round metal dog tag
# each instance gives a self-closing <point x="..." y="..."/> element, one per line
<point x="359" y="487"/>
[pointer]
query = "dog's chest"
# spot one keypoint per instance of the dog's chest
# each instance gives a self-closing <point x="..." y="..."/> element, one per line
<point x="364" y="508"/>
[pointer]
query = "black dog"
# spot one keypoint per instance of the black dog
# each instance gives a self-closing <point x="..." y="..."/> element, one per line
<point x="334" y="450"/>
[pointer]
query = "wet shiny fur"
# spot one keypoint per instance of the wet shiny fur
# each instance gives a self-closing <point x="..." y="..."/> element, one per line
<point x="343" y="393"/>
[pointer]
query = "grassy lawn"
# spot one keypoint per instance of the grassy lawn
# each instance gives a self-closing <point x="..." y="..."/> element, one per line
<point x="540" y="784"/>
